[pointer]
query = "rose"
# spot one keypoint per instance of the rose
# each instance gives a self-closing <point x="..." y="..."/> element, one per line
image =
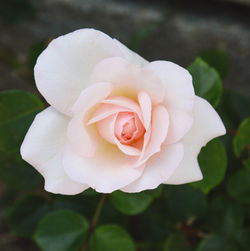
<point x="116" y="121"/>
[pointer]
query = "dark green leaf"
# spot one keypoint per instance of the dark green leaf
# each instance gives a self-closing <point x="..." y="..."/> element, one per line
<point x="242" y="138"/>
<point x="217" y="59"/>
<point x="176" y="242"/>
<point x="213" y="163"/>
<point x="111" y="238"/>
<point x="217" y="243"/>
<point x="225" y="216"/>
<point x="243" y="238"/>
<point x="184" y="202"/>
<point x="131" y="203"/>
<point x="16" y="172"/>
<point x="17" y="111"/>
<point x="26" y="213"/>
<point x="62" y="230"/>
<point x="234" y="107"/>
<point x="238" y="185"/>
<point x="207" y="81"/>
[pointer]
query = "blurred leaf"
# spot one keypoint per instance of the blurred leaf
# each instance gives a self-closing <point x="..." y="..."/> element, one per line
<point x="238" y="185"/>
<point x="34" y="51"/>
<point x="184" y="202"/>
<point x="217" y="243"/>
<point x="111" y="238"/>
<point x="26" y="213"/>
<point x="16" y="172"/>
<point x="243" y="238"/>
<point x="15" y="10"/>
<point x="224" y="216"/>
<point x="234" y="107"/>
<point x="207" y="81"/>
<point x="213" y="163"/>
<point x="217" y="59"/>
<point x="17" y="111"/>
<point x="131" y="203"/>
<point x="176" y="242"/>
<point x="242" y="138"/>
<point x="62" y="230"/>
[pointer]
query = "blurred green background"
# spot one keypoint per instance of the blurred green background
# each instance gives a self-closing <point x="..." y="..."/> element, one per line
<point x="211" y="39"/>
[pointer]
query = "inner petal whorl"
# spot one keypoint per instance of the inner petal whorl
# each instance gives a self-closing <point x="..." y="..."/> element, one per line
<point x="128" y="127"/>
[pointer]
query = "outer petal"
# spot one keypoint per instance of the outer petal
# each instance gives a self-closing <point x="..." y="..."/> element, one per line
<point x="128" y="79"/>
<point x="108" y="171"/>
<point x="84" y="138"/>
<point x="158" y="168"/>
<point x="62" y="71"/>
<point x="42" y="148"/>
<point x="131" y="56"/>
<point x="179" y="97"/>
<point x="207" y="125"/>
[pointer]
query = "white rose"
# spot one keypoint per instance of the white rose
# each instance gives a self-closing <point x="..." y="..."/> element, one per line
<point x="116" y="121"/>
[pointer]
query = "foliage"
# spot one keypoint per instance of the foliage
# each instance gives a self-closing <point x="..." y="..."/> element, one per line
<point x="212" y="214"/>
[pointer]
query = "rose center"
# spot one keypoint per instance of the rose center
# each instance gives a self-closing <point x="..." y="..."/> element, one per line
<point x="128" y="127"/>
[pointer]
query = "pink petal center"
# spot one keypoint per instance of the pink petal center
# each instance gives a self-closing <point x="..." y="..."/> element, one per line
<point x="128" y="127"/>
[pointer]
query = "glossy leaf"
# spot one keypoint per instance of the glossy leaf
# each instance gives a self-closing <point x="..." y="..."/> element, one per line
<point x="207" y="81"/>
<point x="131" y="203"/>
<point x="62" y="230"/>
<point x="111" y="238"/>
<point x="213" y="163"/>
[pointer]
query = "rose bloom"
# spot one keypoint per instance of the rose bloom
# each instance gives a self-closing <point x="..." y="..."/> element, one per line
<point x="116" y="121"/>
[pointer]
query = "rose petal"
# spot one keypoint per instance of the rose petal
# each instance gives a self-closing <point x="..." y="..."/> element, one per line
<point x="82" y="138"/>
<point x="104" y="111"/>
<point x="158" y="168"/>
<point x="145" y="103"/>
<point x="207" y="125"/>
<point x="179" y="97"/>
<point x="108" y="171"/>
<point x="128" y="79"/>
<point x="62" y="70"/>
<point x="42" y="148"/>
<point x="159" y="130"/>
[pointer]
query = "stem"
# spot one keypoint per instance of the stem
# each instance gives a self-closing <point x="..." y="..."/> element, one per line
<point x="95" y="220"/>
<point x="97" y="212"/>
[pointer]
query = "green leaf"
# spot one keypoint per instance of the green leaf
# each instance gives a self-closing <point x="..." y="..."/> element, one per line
<point x="131" y="203"/>
<point x="207" y="81"/>
<point x="217" y="243"/>
<point x="243" y="238"/>
<point x="176" y="242"/>
<point x="184" y="202"/>
<point x="62" y="230"/>
<point x="213" y="163"/>
<point x="225" y="216"/>
<point x="15" y="172"/>
<point x="111" y="238"/>
<point x="17" y="111"/>
<point x="26" y="213"/>
<point x="233" y="108"/>
<point x="242" y="138"/>
<point x="238" y="185"/>
<point x="217" y="59"/>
